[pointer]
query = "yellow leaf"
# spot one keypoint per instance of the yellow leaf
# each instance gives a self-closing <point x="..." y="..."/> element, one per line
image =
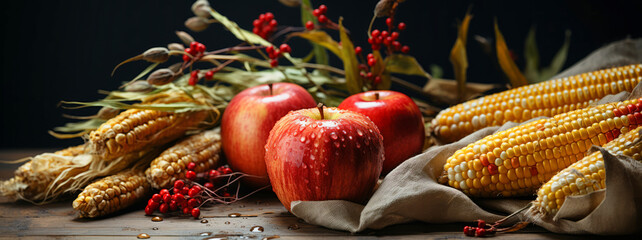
<point x="458" y="55"/>
<point x="350" y="63"/>
<point x="322" y="38"/>
<point x="507" y="64"/>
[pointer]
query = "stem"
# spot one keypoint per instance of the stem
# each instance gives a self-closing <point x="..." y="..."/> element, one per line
<point x="376" y="95"/>
<point x="320" y="107"/>
<point x="235" y="48"/>
<point x="270" y="87"/>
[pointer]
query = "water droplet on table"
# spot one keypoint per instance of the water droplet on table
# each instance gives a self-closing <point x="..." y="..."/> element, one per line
<point x="227" y="222"/>
<point x="154" y="228"/>
<point x="143" y="236"/>
<point x="271" y="237"/>
<point x="234" y="215"/>
<point x="257" y="229"/>
<point x="205" y="234"/>
<point x="157" y="219"/>
<point x="294" y="227"/>
<point x="204" y="221"/>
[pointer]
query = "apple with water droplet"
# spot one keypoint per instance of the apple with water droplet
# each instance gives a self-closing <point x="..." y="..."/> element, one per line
<point x="247" y="122"/>
<point x="324" y="154"/>
<point x="398" y="119"/>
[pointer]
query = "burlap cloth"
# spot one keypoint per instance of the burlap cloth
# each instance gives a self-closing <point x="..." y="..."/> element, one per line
<point x="411" y="193"/>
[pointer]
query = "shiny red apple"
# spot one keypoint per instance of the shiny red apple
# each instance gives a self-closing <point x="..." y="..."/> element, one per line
<point x="247" y="122"/>
<point x="399" y="120"/>
<point x="324" y="154"/>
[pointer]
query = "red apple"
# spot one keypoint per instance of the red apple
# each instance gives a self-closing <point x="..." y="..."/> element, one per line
<point x="399" y="120"/>
<point x="247" y="122"/>
<point x="332" y="155"/>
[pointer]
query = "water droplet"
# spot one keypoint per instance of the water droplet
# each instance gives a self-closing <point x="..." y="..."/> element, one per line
<point x="257" y="229"/>
<point x="343" y="139"/>
<point x="317" y="172"/>
<point x="294" y="227"/>
<point x="143" y="236"/>
<point x="317" y="188"/>
<point x="227" y="222"/>
<point x="204" y="221"/>
<point x="350" y="137"/>
<point x="337" y="144"/>
<point x="312" y="135"/>
<point x="359" y="132"/>
<point x="344" y="131"/>
<point x="271" y="237"/>
<point x="234" y="215"/>
<point x="154" y="228"/>
<point x="358" y="145"/>
<point x="334" y="136"/>
<point x="157" y="219"/>
<point x="312" y="157"/>
<point x="316" y="144"/>
<point x="302" y="139"/>
<point x="215" y="238"/>
<point x="205" y="234"/>
<point x="322" y="130"/>
<point x="305" y="166"/>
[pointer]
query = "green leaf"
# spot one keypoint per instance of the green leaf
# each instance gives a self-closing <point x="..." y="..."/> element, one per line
<point x="405" y="64"/>
<point x="320" y="54"/>
<point x="558" y="60"/>
<point x="240" y="33"/>
<point x="321" y="38"/>
<point x="436" y="71"/>
<point x="531" y="72"/>
<point x="350" y="63"/>
<point x="506" y="63"/>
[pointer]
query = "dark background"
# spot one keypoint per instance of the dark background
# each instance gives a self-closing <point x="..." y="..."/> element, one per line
<point x="65" y="50"/>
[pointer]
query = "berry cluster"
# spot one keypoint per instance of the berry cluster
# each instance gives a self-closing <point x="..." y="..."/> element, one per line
<point x="275" y="53"/>
<point x="188" y="196"/>
<point x="209" y="75"/>
<point x="319" y="13"/>
<point x="195" y="49"/>
<point x="265" y="25"/>
<point x="388" y="39"/>
<point x="480" y="231"/>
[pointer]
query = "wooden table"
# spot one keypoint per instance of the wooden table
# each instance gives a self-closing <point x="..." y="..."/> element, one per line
<point x="59" y="220"/>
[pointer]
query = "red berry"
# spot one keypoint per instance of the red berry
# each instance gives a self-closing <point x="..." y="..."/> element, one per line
<point x="193" y="192"/>
<point x="157" y="197"/>
<point x="227" y="170"/>
<point x="196" y="212"/>
<point x="401" y="26"/>
<point x="167" y="198"/>
<point x="323" y="19"/>
<point x="226" y="195"/>
<point x="191" y="175"/>
<point x="480" y="232"/>
<point x="173" y="205"/>
<point x="405" y="49"/>
<point x="209" y="185"/>
<point x="191" y="166"/>
<point x="213" y="174"/>
<point x="186" y="210"/>
<point x="256" y="23"/>
<point x="185" y="191"/>
<point x="389" y="22"/>
<point x="209" y="75"/>
<point x="195" y="73"/>
<point x="153" y="206"/>
<point x="190" y="51"/>
<point x="148" y="211"/>
<point x="163" y="191"/>
<point x="370" y="55"/>
<point x="163" y="208"/>
<point x="256" y="30"/>
<point x="371" y="62"/>
<point x="384" y="34"/>
<point x="469" y="231"/>
<point x="285" y="48"/>
<point x="200" y="47"/>
<point x="193" y="45"/>
<point x="150" y="201"/>
<point x="309" y="25"/>
<point x="323" y="9"/>
<point x="387" y="40"/>
<point x="179" y="198"/>
<point x="396" y="45"/>
<point x="274" y="63"/>
<point x="179" y="184"/>
<point x="273" y="23"/>
<point x="192" y="81"/>
<point x="192" y="203"/>
<point x="371" y="40"/>
<point x="269" y="16"/>
<point x="375" y="47"/>
<point x="394" y="35"/>
<point x="197" y="188"/>
<point x="316" y="12"/>
<point x="262" y="17"/>
<point x="357" y="50"/>
<point x="186" y="58"/>
<point x="481" y="223"/>
<point x="369" y="75"/>
<point x="269" y="49"/>
<point x="377" y="80"/>
<point x="375" y="33"/>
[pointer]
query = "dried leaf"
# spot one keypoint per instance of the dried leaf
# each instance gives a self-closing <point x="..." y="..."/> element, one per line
<point x="322" y="38"/>
<point x="405" y="64"/>
<point x="197" y="24"/>
<point x="156" y="55"/>
<point x="458" y="56"/>
<point x="176" y="47"/>
<point x="531" y="55"/>
<point x="80" y="126"/>
<point x="381" y="69"/>
<point x="558" y="60"/>
<point x="350" y="63"/>
<point x="507" y="64"/>
<point x="201" y="8"/>
<point x="168" y="107"/>
<point x="383" y="8"/>
<point x="185" y="37"/>
<point x="138" y="86"/>
<point x="161" y="76"/>
<point x="291" y="3"/>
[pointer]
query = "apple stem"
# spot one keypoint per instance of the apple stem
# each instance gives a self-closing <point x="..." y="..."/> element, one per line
<point x="270" y="87"/>
<point x="376" y="95"/>
<point x="320" y="107"/>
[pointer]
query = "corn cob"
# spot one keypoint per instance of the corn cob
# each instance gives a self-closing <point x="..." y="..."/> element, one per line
<point x="515" y="162"/>
<point x="543" y="99"/>
<point x="35" y="177"/>
<point x="203" y="149"/>
<point x="135" y="129"/>
<point x="112" y="193"/>
<point x="586" y="175"/>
